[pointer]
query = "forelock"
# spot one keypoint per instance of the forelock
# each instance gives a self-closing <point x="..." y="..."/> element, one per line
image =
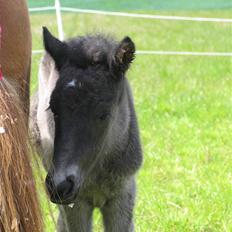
<point x="91" y="49"/>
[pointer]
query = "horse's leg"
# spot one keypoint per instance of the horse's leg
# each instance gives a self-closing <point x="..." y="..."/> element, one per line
<point x="118" y="213"/>
<point x="76" y="219"/>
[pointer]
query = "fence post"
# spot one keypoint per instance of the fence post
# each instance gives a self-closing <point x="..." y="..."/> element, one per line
<point x="59" y="20"/>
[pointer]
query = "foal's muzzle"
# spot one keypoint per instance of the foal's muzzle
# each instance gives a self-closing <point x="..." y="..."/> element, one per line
<point x="62" y="190"/>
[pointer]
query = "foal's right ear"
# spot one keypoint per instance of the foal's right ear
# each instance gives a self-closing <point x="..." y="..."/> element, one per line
<point x="57" y="49"/>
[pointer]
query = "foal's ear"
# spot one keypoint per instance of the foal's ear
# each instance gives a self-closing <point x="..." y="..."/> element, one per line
<point x="56" y="48"/>
<point x="124" y="54"/>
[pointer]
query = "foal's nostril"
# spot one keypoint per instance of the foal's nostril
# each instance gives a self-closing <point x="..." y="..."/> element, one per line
<point x="65" y="188"/>
<point x="61" y="190"/>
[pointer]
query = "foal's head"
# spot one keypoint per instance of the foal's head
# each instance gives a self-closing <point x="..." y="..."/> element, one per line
<point x="84" y="104"/>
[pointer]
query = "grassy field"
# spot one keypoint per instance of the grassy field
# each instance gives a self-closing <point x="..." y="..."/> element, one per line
<point x="184" y="106"/>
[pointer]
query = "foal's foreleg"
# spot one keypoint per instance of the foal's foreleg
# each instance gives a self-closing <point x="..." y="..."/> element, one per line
<point x="76" y="219"/>
<point x="118" y="213"/>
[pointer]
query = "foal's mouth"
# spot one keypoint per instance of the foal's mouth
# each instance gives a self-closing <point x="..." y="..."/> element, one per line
<point x="60" y="201"/>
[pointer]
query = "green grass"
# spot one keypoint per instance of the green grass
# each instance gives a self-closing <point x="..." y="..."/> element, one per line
<point x="184" y="106"/>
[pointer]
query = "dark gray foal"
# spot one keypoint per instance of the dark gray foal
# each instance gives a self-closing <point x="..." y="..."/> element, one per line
<point x="85" y="126"/>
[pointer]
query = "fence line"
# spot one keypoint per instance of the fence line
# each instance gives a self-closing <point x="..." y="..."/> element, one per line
<point x="147" y="16"/>
<point x="37" y="9"/>
<point x="134" y="15"/>
<point x="184" y="53"/>
<point x="58" y="9"/>
<point x="34" y="52"/>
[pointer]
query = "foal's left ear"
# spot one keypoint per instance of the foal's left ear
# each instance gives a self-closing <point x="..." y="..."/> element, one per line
<point x="124" y="54"/>
<point x="56" y="48"/>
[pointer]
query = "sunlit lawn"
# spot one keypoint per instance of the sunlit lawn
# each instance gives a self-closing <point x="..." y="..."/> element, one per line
<point x="184" y="106"/>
